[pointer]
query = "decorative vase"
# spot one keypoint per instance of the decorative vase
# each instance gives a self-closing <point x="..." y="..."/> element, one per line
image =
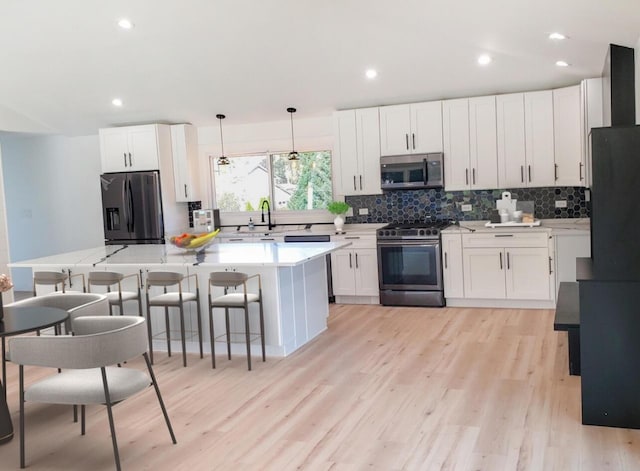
<point x="339" y="222"/>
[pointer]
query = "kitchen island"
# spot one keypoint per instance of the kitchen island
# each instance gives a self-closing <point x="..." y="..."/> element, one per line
<point x="294" y="284"/>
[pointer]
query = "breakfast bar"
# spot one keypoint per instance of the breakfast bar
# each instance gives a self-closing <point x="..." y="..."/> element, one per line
<point x="294" y="284"/>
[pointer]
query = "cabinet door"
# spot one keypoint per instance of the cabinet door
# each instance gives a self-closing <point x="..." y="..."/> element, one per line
<point x="452" y="266"/>
<point x="366" y="273"/>
<point x="483" y="143"/>
<point x="538" y="119"/>
<point x="346" y="152"/>
<point x="180" y="163"/>
<point x="484" y="273"/>
<point x="368" y="138"/>
<point x="114" y="148"/>
<point x="527" y="274"/>
<point x="455" y="126"/>
<point x="426" y="127"/>
<point x="592" y="117"/>
<point x="395" y="127"/>
<point x="143" y="147"/>
<point x="567" y="125"/>
<point x="511" y="140"/>
<point x="342" y="273"/>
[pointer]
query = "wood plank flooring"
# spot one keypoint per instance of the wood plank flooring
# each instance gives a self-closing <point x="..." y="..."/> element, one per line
<point x="383" y="389"/>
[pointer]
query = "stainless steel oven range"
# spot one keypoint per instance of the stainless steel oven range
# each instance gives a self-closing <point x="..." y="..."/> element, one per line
<point x="410" y="264"/>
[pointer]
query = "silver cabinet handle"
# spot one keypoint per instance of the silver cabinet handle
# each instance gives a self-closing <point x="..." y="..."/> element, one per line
<point x="550" y="270"/>
<point x="502" y="235"/>
<point x="124" y="154"/>
<point x="508" y="261"/>
<point x="352" y="237"/>
<point x="529" y="173"/>
<point x="406" y="136"/>
<point x="361" y="182"/>
<point x="185" y="191"/>
<point x="350" y="264"/>
<point x="413" y="137"/>
<point x="522" y="173"/>
<point x="555" y="172"/>
<point x="357" y="260"/>
<point x="446" y="265"/>
<point x="581" y="165"/>
<point x="354" y="183"/>
<point x="500" y="260"/>
<point x="466" y="176"/>
<point x="130" y="164"/>
<point x="473" y="175"/>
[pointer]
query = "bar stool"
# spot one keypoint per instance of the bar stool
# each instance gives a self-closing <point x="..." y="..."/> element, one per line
<point x="54" y="278"/>
<point x="172" y="299"/>
<point x="116" y="298"/>
<point x="235" y="300"/>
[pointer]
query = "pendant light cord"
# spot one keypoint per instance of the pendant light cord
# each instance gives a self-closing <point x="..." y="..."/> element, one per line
<point x="220" y="118"/>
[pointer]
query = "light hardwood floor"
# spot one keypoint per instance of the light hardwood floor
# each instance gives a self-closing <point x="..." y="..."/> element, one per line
<point x="382" y="389"/>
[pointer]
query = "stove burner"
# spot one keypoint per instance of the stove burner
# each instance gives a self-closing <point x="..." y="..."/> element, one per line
<point x="418" y="230"/>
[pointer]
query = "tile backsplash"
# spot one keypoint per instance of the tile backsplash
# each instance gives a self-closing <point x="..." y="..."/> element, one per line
<point x="416" y="205"/>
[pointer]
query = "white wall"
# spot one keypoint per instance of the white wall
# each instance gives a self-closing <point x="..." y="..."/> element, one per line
<point x="637" y="62"/>
<point x="4" y="236"/>
<point x="52" y="195"/>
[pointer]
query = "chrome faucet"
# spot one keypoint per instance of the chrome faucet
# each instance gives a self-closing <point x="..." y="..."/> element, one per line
<point x="271" y="226"/>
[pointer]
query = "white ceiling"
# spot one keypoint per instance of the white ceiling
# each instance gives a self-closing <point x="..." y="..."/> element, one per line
<point x="63" y="61"/>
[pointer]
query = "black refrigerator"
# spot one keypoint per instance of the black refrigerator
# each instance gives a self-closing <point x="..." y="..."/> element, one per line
<point x="132" y="208"/>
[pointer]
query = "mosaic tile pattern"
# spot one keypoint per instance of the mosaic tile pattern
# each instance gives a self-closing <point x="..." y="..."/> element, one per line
<point x="417" y="205"/>
<point x="192" y="206"/>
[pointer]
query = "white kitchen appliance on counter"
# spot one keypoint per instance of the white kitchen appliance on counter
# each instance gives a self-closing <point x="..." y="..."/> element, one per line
<point x="203" y="220"/>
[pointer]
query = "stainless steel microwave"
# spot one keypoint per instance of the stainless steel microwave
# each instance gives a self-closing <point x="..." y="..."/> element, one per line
<point x="414" y="171"/>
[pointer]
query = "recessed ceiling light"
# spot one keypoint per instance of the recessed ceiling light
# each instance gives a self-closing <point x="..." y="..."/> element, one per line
<point x="557" y="36"/>
<point x="562" y="64"/>
<point x="116" y="102"/>
<point x="125" y="23"/>
<point x="371" y="74"/>
<point x="484" y="59"/>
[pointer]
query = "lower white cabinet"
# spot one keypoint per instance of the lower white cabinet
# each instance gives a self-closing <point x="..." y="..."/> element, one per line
<point x="452" y="266"/>
<point x="484" y="273"/>
<point x="354" y="269"/>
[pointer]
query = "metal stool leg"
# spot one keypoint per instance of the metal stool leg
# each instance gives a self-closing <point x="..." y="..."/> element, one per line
<point x="247" y="334"/>
<point x="226" y="323"/>
<point x="168" y="327"/>
<point x="149" y="332"/>
<point x="264" y="357"/>
<point x="184" y="345"/>
<point x="199" y="321"/>
<point x="211" y="335"/>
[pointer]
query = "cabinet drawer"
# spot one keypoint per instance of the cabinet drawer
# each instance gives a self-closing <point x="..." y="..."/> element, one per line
<point x="505" y="239"/>
<point x="357" y="242"/>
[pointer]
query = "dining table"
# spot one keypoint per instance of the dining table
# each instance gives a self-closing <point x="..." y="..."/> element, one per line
<point x="17" y="321"/>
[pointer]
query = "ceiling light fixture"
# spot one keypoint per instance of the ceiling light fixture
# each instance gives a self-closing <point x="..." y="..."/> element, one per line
<point x="484" y="59"/>
<point x="293" y="155"/>
<point x="125" y="23"/>
<point x="557" y="36"/>
<point x="117" y="102"/>
<point x="222" y="160"/>
<point x="562" y="64"/>
<point x="371" y="74"/>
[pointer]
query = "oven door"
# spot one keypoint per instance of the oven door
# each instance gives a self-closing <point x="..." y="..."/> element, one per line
<point x="413" y="265"/>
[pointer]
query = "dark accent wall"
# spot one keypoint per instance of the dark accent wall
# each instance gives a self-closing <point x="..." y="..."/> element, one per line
<point x="417" y="205"/>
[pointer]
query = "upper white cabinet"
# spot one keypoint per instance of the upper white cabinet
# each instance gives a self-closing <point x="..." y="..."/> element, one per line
<point x="470" y="145"/>
<point x="525" y="139"/>
<point x="131" y="148"/>
<point x="184" y="147"/>
<point x="569" y="158"/>
<point x="411" y="129"/>
<point x="592" y="117"/>
<point x="357" y="151"/>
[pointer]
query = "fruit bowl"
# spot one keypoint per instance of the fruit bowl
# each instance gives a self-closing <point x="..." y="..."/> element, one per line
<point x="193" y="241"/>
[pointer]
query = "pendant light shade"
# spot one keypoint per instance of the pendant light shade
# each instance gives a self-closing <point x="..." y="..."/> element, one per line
<point x="293" y="155"/>
<point x="222" y="160"/>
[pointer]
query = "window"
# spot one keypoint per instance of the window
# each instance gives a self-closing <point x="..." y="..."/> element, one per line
<point x="291" y="185"/>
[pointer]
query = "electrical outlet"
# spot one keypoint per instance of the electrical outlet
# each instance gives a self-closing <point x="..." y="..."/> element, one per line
<point x="466" y="207"/>
<point x="363" y="211"/>
<point x="561" y="203"/>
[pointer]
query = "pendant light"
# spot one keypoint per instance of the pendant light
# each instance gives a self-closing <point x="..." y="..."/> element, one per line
<point x="293" y="155"/>
<point x="222" y="160"/>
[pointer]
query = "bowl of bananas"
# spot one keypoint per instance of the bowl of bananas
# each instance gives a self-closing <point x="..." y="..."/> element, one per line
<point x="194" y="242"/>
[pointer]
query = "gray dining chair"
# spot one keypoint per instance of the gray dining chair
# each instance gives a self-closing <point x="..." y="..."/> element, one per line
<point x="55" y="279"/>
<point x="87" y="376"/>
<point x="117" y="297"/>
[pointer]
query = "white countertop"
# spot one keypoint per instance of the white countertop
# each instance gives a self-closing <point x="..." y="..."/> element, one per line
<point x="552" y="226"/>
<point x="315" y="229"/>
<point x="273" y="254"/>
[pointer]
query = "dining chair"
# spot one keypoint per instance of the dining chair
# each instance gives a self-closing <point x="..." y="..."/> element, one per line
<point x="88" y="375"/>
<point x="108" y="279"/>
<point x="55" y="278"/>
<point x="229" y="301"/>
<point x="167" y="299"/>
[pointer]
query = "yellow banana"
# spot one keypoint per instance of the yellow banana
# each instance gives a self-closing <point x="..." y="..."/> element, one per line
<point x="202" y="240"/>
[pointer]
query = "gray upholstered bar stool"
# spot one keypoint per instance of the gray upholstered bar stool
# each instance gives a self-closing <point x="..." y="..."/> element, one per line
<point x="172" y="299"/>
<point x="235" y="300"/>
<point x="54" y="278"/>
<point x="108" y="279"/>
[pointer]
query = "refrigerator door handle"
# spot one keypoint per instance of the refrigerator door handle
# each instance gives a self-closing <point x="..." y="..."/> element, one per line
<point x="126" y="200"/>
<point x="131" y="211"/>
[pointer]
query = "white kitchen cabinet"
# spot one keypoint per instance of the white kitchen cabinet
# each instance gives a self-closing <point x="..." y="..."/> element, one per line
<point x="470" y="145"/>
<point x="354" y="269"/>
<point x="411" y="129"/>
<point x="511" y="266"/>
<point x="131" y="148"/>
<point x="184" y="147"/>
<point x="567" y="249"/>
<point x="357" y="151"/>
<point x="568" y="142"/>
<point x="452" y="271"/>
<point x="592" y="117"/>
<point x="525" y="139"/>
